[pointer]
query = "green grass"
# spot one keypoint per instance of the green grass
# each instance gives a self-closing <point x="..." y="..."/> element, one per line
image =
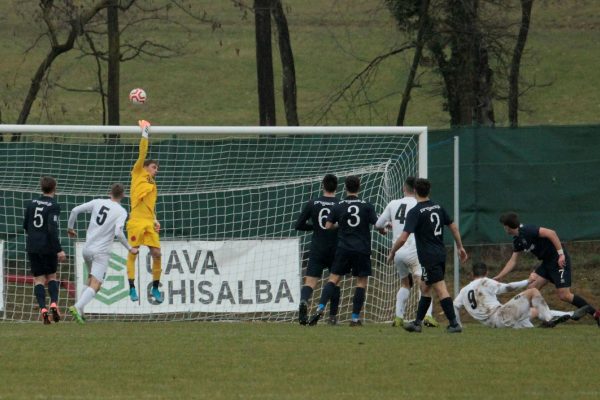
<point x="285" y="361"/>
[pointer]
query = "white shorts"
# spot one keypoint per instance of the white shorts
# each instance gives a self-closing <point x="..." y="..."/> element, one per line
<point x="514" y="314"/>
<point x="97" y="263"/>
<point x="407" y="262"/>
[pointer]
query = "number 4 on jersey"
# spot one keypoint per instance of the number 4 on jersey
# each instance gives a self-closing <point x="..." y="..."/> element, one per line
<point x="401" y="213"/>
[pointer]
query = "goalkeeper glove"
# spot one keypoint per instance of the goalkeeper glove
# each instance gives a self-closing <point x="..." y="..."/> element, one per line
<point x="145" y="125"/>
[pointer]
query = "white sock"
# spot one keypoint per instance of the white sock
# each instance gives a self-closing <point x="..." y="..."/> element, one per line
<point x="401" y="298"/>
<point x="86" y="296"/>
<point x="542" y="307"/>
<point x="556" y="313"/>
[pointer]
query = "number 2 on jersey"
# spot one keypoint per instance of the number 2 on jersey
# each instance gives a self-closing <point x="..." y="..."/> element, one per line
<point x="435" y="218"/>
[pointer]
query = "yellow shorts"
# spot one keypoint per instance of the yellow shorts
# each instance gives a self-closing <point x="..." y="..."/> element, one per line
<point x="142" y="232"/>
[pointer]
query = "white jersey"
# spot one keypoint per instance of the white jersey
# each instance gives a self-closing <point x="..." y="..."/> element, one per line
<point x="107" y="221"/>
<point x="480" y="299"/>
<point x="396" y="212"/>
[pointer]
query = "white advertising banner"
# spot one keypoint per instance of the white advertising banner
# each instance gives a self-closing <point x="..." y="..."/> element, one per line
<point x="240" y="276"/>
<point x="1" y="275"/>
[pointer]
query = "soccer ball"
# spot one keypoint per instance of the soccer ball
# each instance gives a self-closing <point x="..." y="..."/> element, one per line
<point x="137" y="96"/>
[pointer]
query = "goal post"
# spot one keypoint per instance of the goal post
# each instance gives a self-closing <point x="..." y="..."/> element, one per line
<point x="228" y="201"/>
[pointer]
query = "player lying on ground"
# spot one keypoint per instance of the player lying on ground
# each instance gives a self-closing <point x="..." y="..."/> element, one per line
<point x="406" y="259"/>
<point x="107" y="221"/>
<point x="545" y="244"/>
<point x="479" y="298"/>
<point x="43" y="246"/>
<point x="143" y="227"/>
<point x="322" y="247"/>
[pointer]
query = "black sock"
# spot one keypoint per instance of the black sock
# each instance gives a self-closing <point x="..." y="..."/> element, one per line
<point x="53" y="290"/>
<point x="359" y="300"/>
<point x="155" y="284"/>
<point x="580" y="302"/>
<point x="448" y="308"/>
<point x="335" y="302"/>
<point x="327" y="293"/>
<point x="131" y="283"/>
<point x="306" y="293"/>
<point x="424" y="303"/>
<point x="40" y="295"/>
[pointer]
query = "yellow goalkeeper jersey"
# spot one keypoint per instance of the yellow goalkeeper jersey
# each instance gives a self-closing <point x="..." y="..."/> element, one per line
<point x="143" y="188"/>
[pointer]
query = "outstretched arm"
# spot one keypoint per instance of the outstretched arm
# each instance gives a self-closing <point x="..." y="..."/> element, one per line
<point x="509" y="287"/>
<point x="139" y="164"/>
<point x="510" y="265"/>
<point x="462" y="253"/>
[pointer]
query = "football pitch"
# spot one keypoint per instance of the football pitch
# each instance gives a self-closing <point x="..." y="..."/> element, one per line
<point x="287" y="361"/>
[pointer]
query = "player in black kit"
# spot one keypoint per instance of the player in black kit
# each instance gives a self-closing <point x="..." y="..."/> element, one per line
<point x="43" y="246"/>
<point x="322" y="247"/>
<point x="545" y="244"/>
<point x="354" y="218"/>
<point x="426" y="221"/>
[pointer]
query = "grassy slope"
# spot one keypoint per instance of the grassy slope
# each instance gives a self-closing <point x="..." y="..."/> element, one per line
<point x="214" y="83"/>
<point x="284" y="361"/>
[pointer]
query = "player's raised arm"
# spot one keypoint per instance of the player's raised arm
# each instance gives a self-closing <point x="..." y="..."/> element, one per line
<point x="509" y="287"/>
<point x="143" y="151"/>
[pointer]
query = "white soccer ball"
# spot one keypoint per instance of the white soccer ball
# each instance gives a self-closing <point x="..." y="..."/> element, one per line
<point x="137" y="96"/>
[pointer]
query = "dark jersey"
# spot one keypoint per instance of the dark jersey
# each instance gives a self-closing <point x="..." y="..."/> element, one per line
<point x="354" y="218"/>
<point x="529" y="240"/>
<point x="426" y="220"/>
<point x="41" y="225"/>
<point x="324" y="241"/>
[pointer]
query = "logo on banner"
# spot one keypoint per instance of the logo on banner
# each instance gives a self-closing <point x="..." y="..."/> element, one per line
<point x="114" y="287"/>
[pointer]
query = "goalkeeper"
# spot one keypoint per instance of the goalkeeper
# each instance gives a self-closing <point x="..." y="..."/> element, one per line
<point x="143" y="227"/>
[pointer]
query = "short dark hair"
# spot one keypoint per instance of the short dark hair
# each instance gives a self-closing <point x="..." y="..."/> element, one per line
<point x="117" y="190"/>
<point x="510" y="219"/>
<point x="48" y="184"/>
<point x="479" y="269"/>
<point x="330" y="183"/>
<point x="148" y="162"/>
<point x="409" y="184"/>
<point x="422" y="187"/>
<point x="352" y="184"/>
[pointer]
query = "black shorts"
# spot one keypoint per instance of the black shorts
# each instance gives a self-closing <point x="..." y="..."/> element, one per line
<point x="433" y="273"/>
<point x="550" y="271"/>
<point x="318" y="262"/>
<point x="43" y="264"/>
<point x="347" y="261"/>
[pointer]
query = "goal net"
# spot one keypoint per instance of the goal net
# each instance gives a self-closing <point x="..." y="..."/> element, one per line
<point x="228" y="199"/>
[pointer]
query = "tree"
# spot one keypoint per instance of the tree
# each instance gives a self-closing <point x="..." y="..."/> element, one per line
<point x="287" y="65"/>
<point x="515" y="64"/>
<point x="264" y="62"/>
<point x="65" y="19"/>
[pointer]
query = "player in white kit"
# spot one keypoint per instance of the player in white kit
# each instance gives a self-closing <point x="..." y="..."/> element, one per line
<point x="479" y="298"/>
<point x="406" y="259"/>
<point x="107" y="221"/>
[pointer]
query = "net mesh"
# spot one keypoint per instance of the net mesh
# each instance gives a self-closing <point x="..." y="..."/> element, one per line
<point x="212" y="188"/>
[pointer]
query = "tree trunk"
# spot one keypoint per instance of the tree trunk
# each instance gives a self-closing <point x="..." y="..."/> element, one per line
<point x="515" y="64"/>
<point x="114" y="59"/>
<point x="423" y="26"/>
<point x="264" y="63"/>
<point x="287" y="64"/>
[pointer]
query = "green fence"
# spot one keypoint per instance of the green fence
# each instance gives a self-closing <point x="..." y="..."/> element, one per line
<point x="549" y="175"/>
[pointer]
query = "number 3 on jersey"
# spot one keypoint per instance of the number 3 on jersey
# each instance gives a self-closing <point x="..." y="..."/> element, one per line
<point x="353" y="211"/>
